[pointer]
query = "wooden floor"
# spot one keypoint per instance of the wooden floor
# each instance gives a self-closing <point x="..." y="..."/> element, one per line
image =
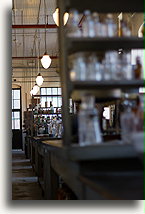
<point x="24" y="182"/>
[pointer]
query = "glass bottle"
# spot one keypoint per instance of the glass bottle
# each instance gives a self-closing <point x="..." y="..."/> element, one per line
<point x="89" y="128"/>
<point x="126" y="66"/>
<point x="91" y="73"/>
<point x="88" y="25"/>
<point x="73" y="29"/>
<point x="138" y="69"/>
<point x="97" y="24"/>
<point x="107" y="65"/>
<point x="127" y="123"/>
<point x="78" y="71"/>
<point x="111" y="26"/>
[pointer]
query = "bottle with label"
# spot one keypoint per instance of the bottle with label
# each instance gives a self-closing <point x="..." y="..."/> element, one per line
<point x="89" y="128"/>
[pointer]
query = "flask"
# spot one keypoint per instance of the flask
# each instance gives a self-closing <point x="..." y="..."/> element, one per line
<point x="89" y="128"/>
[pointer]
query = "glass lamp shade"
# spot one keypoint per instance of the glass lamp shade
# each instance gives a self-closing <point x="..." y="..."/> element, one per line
<point x="56" y="17"/>
<point x="31" y="92"/>
<point x="39" y="79"/>
<point x="141" y="31"/>
<point x="35" y="89"/>
<point x="46" y="61"/>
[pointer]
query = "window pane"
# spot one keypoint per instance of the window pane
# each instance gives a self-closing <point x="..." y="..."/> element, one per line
<point x="12" y="104"/>
<point x="17" y="115"/>
<point x="16" y="104"/>
<point x="49" y="91"/>
<point x="54" y="91"/>
<point x="13" y="124"/>
<point x="17" y="94"/>
<point x="17" y="124"/>
<point x="43" y="91"/>
<point x="13" y="120"/>
<point x="48" y="100"/>
<point x="59" y="91"/>
<point x="12" y="115"/>
<point x="59" y="101"/>
<point x="54" y="102"/>
<point x="12" y="94"/>
<point x="43" y="100"/>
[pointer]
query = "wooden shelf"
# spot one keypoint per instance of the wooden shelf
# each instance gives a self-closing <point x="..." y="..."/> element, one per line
<point x="47" y="113"/>
<point x="107" y="6"/>
<point x="112" y="84"/>
<point x="101" y="43"/>
<point x="108" y="150"/>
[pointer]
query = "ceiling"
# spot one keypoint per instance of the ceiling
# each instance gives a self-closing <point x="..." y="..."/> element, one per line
<point x="29" y="43"/>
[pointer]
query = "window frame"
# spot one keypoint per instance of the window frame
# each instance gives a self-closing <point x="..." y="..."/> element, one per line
<point x="51" y="95"/>
<point x="16" y="110"/>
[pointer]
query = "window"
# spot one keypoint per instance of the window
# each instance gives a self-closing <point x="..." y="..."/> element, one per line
<point x="53" y="95"/>
<point x="16" y="109"/>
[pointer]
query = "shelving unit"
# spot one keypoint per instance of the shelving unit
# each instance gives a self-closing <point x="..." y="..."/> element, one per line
<point x="122" y="84"/>
<point x="72" y="45"/>
<point x="95" y="165"/>
<point x="103" y="43"/>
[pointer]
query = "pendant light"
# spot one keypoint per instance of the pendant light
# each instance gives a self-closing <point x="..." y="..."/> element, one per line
<point x="35" y="89"/>
<point x="39" y="78"/>
<point x="46" y="60"/>
<point x="31" y="92"/>
<point x="56" y="17"/>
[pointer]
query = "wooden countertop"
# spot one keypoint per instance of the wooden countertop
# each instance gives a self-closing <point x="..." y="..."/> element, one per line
<point x="55" y="143"/>
<point x="110" y="150"/>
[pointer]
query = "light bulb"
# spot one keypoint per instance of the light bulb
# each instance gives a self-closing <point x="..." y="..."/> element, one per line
<point x="39" y="79"/>
<point x="46" y="61"/>
<point x="35" y="89"/>
<point x="31" y="92"/>
<point x="56" y="17"/>
<point x="65" y="18"/>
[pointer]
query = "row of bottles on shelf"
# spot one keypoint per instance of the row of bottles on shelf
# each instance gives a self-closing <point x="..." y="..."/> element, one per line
<point x="114" y="66"/>
<point x="89" y="130"/>
<point x="49" y="125"/>
<point x="47" y="110"/>
<point x="95" y="26"/>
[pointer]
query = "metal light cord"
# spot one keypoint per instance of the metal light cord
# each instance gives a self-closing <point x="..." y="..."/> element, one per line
<point x="45" y="22"/>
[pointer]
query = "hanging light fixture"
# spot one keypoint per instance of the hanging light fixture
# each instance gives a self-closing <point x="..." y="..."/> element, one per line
<point x="46" y="60"/>
<point x="56" y="17"/>
<point x="39" y="80"/>
<point x="35" y="89"/>
<point x="31" y="92"/>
